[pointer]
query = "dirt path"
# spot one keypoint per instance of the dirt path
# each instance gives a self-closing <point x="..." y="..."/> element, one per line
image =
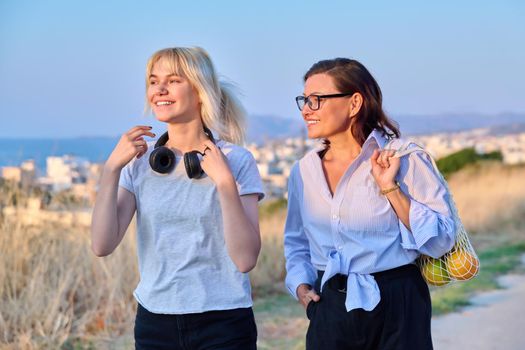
<point x="496" y="320"/>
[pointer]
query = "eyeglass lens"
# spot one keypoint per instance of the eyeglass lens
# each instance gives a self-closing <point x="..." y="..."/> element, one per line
<point x="312" y="101"/>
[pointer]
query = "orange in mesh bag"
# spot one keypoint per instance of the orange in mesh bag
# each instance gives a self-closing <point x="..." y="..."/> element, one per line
<point x="459" y="264"/>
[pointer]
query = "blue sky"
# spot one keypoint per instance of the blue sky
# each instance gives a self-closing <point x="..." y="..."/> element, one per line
<point x="75" y="68"/>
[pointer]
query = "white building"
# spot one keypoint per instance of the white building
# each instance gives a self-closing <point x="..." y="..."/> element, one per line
<point x="63" y="172"/>
<point x="24" y="175"/>
<point x="12" y="173"/>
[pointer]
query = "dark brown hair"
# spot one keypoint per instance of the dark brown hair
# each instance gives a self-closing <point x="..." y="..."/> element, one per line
<point x="350" y="76"/>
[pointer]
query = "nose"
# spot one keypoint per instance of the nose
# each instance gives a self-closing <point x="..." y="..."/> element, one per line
<point x="161" y="89"/>
<point x="306" y="111"/>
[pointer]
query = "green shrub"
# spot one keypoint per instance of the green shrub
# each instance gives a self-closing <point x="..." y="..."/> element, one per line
<point x="458" y="160"/>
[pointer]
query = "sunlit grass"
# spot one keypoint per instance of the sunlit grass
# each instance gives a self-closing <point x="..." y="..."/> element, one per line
<point x="54" y="289"/>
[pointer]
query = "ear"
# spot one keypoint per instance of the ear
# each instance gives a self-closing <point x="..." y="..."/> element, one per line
<point x="354" y="104"/>
<point x="196" y="92"/>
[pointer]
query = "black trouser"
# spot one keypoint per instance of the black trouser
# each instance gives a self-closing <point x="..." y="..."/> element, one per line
<point x="401" y="320"/>
<point x="225" y="330"/>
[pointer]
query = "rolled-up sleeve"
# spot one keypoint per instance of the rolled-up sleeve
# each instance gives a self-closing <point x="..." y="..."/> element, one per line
<point x="126" y="176"/>
<point x="299" y="268"/>
<point x="431" y="221"/>
<point x="247" y="177"/>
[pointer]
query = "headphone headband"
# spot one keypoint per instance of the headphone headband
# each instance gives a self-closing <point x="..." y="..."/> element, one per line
<point x="163" y="139"/>
<point x="209" y="134"/>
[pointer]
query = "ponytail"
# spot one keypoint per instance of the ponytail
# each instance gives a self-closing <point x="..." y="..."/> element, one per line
<point x="232" y="116"/>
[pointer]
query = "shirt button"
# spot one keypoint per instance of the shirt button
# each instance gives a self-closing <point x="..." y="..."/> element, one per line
<point x="340" y="247"/>
<point x="335" y="217"/>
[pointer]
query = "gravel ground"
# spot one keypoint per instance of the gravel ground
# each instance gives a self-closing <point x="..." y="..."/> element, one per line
<point x="494" y="321"/>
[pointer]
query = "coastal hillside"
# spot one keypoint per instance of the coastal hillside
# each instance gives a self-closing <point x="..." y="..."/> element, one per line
<point x="56" y="294"/>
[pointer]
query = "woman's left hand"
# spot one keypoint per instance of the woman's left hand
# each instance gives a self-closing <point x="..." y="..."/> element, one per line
<point x="384" y="168"/>
<point x="215" y="165"/>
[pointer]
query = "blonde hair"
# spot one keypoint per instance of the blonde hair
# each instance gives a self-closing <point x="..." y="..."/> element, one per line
<point x="220" y="110"/>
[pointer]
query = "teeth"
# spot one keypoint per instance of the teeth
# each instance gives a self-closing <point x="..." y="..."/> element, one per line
<point x="164" y="103"/>
<point x="310" y="122"/>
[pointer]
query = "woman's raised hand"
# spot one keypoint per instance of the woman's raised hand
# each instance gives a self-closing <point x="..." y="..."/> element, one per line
<point x="215" y="165"/>
<point x="131" y="144"/>
<point x="384" y="168"/>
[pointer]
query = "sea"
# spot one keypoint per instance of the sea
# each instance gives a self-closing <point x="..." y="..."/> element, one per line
<point x="94" y="149"/>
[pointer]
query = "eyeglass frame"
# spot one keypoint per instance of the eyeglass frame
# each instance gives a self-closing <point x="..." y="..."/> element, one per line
<point x="319" y="97"/>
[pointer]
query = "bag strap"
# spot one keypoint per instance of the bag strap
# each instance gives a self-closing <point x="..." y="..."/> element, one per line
<point x="404" y="150"/>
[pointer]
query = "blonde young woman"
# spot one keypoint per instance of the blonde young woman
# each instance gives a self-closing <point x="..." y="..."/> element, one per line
<point x="196" y="204"/>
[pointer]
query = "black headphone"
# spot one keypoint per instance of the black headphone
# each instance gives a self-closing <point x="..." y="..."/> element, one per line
<point x="162" y="159"/>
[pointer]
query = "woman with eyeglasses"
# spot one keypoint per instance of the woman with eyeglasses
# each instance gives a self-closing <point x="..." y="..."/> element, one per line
<point x="358" y="218"/>
<point x="195" y="199"/>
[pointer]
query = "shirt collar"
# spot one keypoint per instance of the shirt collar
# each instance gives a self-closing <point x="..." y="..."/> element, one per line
<point x="377" y="136"/>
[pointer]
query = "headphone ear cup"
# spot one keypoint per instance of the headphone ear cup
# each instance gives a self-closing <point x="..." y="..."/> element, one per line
<point x="162" y="160"/>
<point x="192" y="164"/>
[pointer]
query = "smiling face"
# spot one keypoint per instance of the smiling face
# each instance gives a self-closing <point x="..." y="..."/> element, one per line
<point x="171" y="96"/>
<point x="332" y="117"/>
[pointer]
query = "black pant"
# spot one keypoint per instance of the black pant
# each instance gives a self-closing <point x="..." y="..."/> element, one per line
<point x="225" y="330"/>
<point x="401" y="320"/>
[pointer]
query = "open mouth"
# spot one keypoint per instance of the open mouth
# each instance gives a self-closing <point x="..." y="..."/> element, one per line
<point x="163" y="103"/>
<point x="312" y="122"/>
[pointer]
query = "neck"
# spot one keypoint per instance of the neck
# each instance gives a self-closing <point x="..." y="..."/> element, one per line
<point x="343" y="146"/>
<point x="186" y="137"/>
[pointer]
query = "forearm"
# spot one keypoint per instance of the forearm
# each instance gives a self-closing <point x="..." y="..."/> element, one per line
<point x="242" y="238"/>
<point x="104" y="222"/>
<point x="401" y="205"/>
<point x="299" y="268"/>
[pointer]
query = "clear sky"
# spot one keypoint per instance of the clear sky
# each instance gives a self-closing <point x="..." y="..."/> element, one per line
<point x="75" y="68"/>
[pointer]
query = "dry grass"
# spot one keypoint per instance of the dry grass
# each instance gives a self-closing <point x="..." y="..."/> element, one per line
<point x="268" y="275"/>
<point x="489" y="195"/>
<point x="54" y="290"/>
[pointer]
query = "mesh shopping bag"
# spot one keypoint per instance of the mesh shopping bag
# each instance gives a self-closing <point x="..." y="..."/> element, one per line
<point x="459" y="264"/>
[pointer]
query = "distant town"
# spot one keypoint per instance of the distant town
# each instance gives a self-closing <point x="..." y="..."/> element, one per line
<point x="275" y="158"/>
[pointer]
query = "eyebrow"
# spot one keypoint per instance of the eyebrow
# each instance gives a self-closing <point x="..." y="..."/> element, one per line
<point x="168" y="76"/>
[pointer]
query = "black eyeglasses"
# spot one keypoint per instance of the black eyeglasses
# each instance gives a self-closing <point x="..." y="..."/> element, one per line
<point x="314" y="101"/>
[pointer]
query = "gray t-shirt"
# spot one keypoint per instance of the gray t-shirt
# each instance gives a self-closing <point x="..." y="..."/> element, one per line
<point x="183" y="262"/>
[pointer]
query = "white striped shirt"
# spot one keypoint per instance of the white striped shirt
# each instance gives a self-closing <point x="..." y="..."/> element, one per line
<point x="356" y="232"/>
